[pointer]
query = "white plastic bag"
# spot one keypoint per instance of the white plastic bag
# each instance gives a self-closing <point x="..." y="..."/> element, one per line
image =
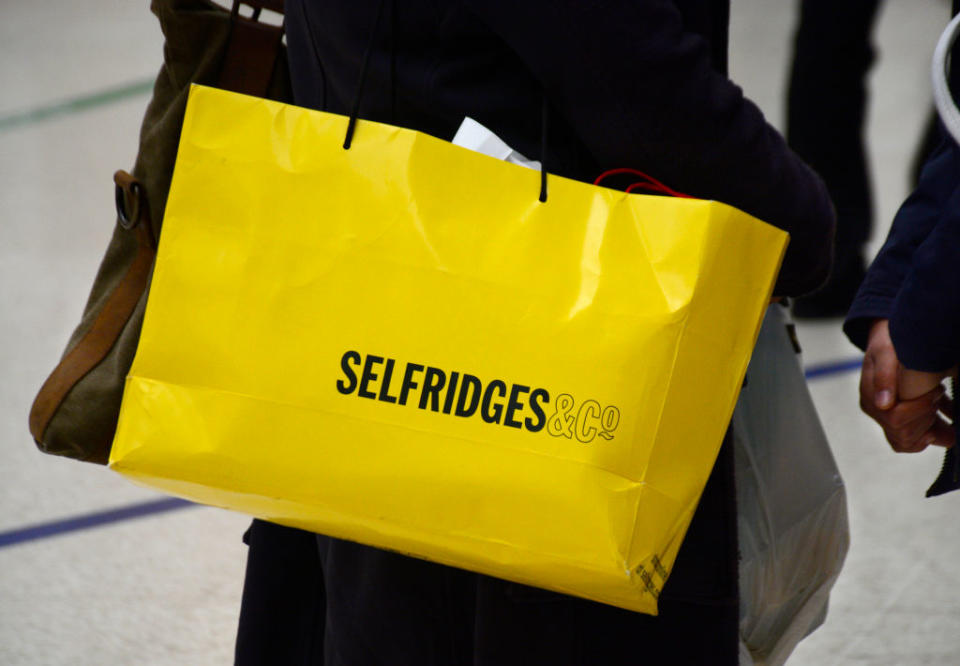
<point x="791" y="501"/>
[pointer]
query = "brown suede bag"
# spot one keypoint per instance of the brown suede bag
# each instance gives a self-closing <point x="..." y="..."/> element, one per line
<point x="75" y="412"/>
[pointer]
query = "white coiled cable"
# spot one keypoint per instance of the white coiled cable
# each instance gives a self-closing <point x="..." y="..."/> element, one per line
<point x="946" y="107"/>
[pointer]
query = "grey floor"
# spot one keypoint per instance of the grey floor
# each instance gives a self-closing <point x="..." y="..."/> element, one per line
<point x="164" y="587"/>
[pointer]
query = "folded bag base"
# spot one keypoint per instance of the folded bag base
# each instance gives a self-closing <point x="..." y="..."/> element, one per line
<point x="399" y="345"/>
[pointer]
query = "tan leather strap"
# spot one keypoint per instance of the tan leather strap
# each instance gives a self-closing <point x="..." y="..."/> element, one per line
<point x="93" y="347"/>
<point x="248" y="66"/>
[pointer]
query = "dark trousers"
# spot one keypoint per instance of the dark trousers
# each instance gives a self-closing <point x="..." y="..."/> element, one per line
<point x="311" y="599"/>
<point x="826" y="107"/>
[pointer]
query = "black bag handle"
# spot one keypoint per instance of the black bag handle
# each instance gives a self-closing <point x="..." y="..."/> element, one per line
<point x="355" y="110"/>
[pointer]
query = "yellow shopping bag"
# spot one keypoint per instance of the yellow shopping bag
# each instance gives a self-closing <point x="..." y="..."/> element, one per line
<point x="399" y="345"/>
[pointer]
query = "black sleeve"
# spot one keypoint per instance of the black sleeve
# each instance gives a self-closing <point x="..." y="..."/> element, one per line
<point x="641" y="92"/>
<point x="925" y="322"/>
<point x="912" y="227"/>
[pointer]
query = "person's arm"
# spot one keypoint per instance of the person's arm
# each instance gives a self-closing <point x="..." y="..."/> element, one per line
<point x="641" y="92"/>
<point x="925" y="320"/>
<point x="906" y="313"/>
<point x="914" y="222"/>
<point x="924" y="326"/>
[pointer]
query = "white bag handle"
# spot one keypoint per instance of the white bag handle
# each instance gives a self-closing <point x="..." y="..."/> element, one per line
<point x="946" y="107"/>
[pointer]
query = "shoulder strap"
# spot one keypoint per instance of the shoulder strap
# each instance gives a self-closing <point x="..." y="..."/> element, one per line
<point x="250" y="59"/>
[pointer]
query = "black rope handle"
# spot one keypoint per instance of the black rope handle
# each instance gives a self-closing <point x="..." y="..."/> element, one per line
<point x="355" y="111"/>
<point x="316" y="55"/>
<point x="544" y="115"/>
<point x="393" y="61"/>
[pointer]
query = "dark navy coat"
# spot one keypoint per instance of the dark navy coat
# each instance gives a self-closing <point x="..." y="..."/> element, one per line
<point x="915" y="279"/>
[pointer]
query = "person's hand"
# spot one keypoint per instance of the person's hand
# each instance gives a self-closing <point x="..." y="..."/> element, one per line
<point x="904" y="402"/>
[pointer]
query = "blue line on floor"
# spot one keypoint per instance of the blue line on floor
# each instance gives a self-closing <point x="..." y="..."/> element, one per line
<point x="83" y="103"/>
<point x="832" y="368"/>
<point x="58" y="527"/>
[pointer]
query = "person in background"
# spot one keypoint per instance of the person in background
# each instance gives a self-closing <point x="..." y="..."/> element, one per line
<point x="826" y="113"/>
<point x="906" y="315"/>
<point x="626" y="83"/>
<point x="827" y="100"/>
